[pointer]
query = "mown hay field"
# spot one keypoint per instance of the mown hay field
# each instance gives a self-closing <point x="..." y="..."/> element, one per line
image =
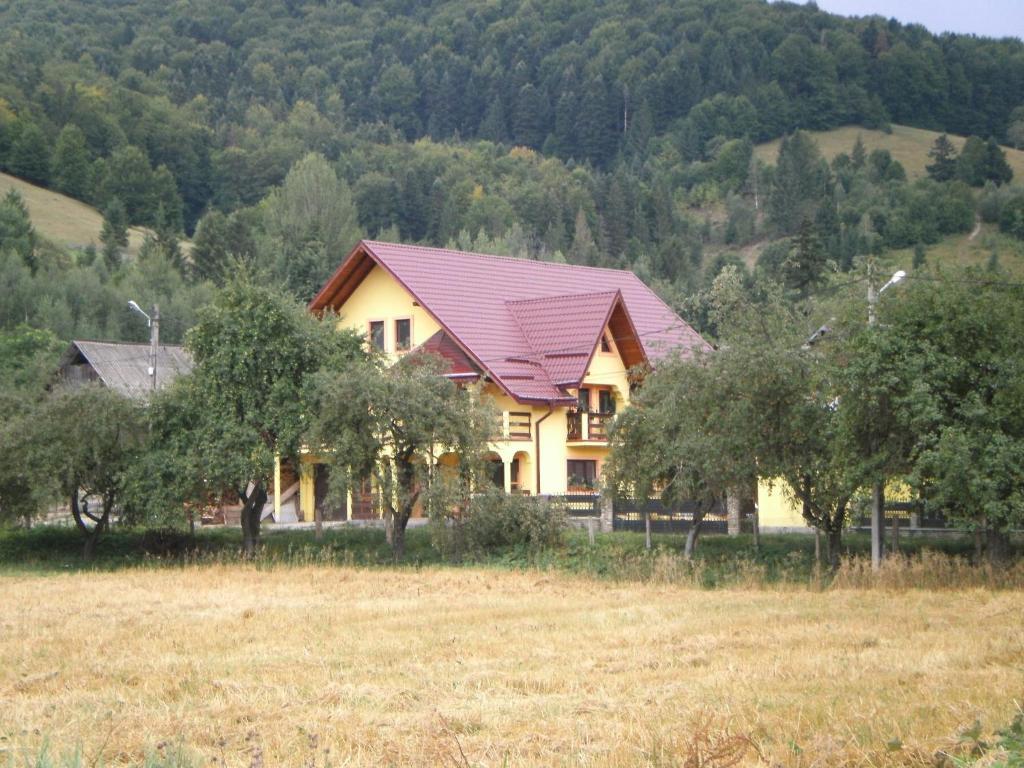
<point x="297" y="666"/>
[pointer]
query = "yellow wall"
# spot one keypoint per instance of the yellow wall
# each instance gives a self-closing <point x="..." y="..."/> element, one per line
<point x="775" y="509"/>
<point x="380" y="297"/>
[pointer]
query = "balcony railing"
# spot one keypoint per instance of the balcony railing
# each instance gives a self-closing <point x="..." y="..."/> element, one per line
<point x="588" y="426"/>
<point x="513" y="425"/>
<point x="518" y="426"/>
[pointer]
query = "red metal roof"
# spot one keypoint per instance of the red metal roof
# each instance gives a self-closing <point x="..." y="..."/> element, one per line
<point x="532" y="325"/>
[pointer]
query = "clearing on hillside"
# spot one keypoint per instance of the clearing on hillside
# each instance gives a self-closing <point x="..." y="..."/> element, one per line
<point x="63" y="219"/>
<point x="276" y="666"/>
<point x="908" y="145"/>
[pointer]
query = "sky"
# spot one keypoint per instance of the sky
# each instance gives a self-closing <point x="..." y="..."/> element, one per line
<point x="992" y="18"/>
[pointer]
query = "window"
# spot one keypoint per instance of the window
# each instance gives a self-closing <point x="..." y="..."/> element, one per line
<point x="581" y="475"/>
<point x="377" y="334"/>
<point x="403" y="334"/>
<point x="584" y="399"/>
<point x="606" y="345"/>
<point x="605" y="401"/>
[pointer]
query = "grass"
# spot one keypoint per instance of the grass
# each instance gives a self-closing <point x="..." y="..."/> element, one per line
<point x="908" y="145"/>
<point x="721" y="560"/>
<point x="62" y="219"/>
<point x="964" y="250"/>
<point x="318" y="665"/>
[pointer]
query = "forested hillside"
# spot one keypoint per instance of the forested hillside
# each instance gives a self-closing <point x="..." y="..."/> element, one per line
<point x="618" y="133"/>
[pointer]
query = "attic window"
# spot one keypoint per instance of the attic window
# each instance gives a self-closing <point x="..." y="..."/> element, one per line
<point x="377" y="334"/>
<point x="606" y="344"/>
<point x="403" y="334"/>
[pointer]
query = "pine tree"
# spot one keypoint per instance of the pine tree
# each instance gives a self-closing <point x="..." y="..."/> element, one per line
<point x="805" y="266"/>
<point x="114" y="234"/>
<point x="859" y="153"/>
<point x="16" y="231"/>
<point x="943" y="153"/>
<point x="71" y="163"/>
<point x="995" y="166"/>
<point x="799" y="182"/>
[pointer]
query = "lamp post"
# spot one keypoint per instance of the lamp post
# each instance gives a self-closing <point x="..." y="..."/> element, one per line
<point x="878" y="489"/>
<point x="154" y="337"/>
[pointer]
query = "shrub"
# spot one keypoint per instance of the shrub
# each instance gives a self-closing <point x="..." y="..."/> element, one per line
<point x="495" y="520"/>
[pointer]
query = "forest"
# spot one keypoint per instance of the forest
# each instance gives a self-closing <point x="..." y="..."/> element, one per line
<point x="271" y="135"/>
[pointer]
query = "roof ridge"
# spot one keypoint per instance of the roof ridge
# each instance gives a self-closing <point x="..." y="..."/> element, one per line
<point x="126" y="343"/>
<point x="536" y="299"/>
<point x="455" y="251"/>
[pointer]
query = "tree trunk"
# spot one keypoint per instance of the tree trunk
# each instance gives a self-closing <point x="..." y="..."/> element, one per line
<point x="647" y="528"/>
<point x="834" y="541"/>
<point x="398" y="538"/>
<point x="76" y="513"/>
<point x="97" y="530"/>
<point x="251" y="511"/>
<point x="389" y="527"/>
<point x="757" y="529"/>
<point x="318" y="522"/>
<point x="694" y="532"/>
<point x="817" y="545"/>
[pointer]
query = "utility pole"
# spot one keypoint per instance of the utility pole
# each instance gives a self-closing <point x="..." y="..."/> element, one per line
<point x="154" y="344"/>
<point x="877" y="490"/>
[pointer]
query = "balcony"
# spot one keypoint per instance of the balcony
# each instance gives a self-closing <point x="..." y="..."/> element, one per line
<point x="513" y="425"/>
<point x="588" y="426"/>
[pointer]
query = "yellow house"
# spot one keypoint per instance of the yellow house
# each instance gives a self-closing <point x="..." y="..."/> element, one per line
<point x="553" y="344"/>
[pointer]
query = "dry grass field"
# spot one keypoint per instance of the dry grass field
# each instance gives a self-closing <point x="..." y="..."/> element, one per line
<point x="62" y="219"/>
<point x="316" y="666"/>
<point x="908" y="145"/>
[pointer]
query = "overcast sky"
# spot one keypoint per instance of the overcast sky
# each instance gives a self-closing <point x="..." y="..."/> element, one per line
<point x="993" y="18"/>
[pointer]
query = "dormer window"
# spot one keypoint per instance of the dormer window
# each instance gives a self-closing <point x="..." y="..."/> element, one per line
<point x="403" y="334"/>
<point x="606" y="344"/>
<point x="377" y="334"/>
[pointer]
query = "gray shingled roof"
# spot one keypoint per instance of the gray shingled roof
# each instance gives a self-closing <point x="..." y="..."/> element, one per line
<point x="125" y="367"/>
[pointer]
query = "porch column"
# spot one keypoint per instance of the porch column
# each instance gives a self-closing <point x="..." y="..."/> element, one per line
<point x="277" y="488"/>
<point x="507" y="467"/>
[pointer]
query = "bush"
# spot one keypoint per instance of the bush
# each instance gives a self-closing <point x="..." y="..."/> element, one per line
<point x="496" y="520"/>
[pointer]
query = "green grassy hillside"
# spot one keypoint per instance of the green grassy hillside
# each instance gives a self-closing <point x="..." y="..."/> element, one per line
<point x="908" y="145"/>
<point x="62" y="219"/>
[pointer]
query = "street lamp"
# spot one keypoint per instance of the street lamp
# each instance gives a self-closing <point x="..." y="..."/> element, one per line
<point x="154" y="337"/>
<point x="878" y="489"/>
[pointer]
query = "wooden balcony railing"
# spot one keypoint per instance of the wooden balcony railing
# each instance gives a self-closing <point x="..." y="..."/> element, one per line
<point x="518" y="426"/>
<point x="513" y="425"/>
<point x="590" y="426"/>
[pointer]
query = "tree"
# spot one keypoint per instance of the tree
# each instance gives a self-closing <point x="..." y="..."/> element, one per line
<point x="800" y="180"/>
<point x="947" y="358"/>
<point x="86" y="439"/>
<point x="253" y="350"/>
<point x="804" y="268"/>
<point x="16" y="231"/>
<point x="995" y="166"/>
<point x="30" y="154"/>
<point x="944" y="159"/>
<point x="392" y="424"/>
<point x="312" y="223"/>
<point x="221" y="242"/>
<point x="71" y="164"/>
<point x="114" y="234"/>
<point x="679" y="441"/>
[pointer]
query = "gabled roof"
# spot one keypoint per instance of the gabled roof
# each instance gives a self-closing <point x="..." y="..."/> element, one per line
<point x="563" y="331"/>
<point x="459" y="363"/>
<point x="125" y="367"/>
<point x="530" y="325"/>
